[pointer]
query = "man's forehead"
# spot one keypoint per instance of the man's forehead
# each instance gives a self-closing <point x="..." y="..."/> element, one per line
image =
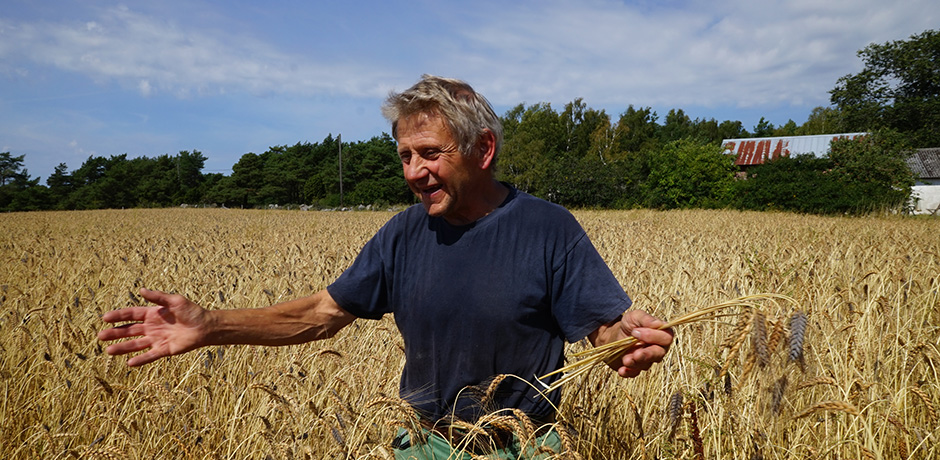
<point x="422" y="119"/>
<point x="423" y="125"/>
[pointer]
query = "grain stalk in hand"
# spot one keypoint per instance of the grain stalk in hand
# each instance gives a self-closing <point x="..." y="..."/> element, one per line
<point x="611" y="352"/>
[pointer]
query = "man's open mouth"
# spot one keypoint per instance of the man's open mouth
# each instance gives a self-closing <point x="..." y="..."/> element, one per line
<point x="431" y="190"/>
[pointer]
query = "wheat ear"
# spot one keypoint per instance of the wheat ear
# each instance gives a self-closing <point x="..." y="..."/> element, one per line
<point x="924" y="398"/>
<point x="837" y="406"/>
<point x="797" y="336"/>
<point x="759" y="339"/>
<point x="697" y="444"/>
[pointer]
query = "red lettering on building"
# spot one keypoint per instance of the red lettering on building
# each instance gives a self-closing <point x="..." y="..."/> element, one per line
<point x="746" y="153"/>
<point x="780" y="150"/>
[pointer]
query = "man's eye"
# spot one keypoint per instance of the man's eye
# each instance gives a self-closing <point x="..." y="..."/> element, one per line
<point x="404" y="157"/>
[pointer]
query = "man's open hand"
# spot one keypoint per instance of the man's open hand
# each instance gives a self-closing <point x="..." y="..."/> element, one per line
<point x="175" y="325"/>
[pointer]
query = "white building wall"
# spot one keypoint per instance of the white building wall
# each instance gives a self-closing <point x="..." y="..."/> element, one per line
<point x="926" y="198"/>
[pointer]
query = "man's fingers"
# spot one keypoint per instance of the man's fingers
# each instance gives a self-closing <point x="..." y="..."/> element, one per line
<point x="129" y="346"/>
<point x="126" y="314"/>
<point x="628" y="372"/>
<point x="157" y="297"/>
<point x="648" y="336"/>
<point x="121" y="332"/>
<point x="144" y="358"/>
<point x="640" y="318"/>
<point x="641" y="359"/>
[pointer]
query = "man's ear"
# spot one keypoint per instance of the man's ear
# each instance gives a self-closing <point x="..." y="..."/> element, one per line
<point x="486" y="149"/>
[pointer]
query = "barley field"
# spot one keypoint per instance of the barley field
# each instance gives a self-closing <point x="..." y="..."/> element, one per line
<point x="847" y="370"/>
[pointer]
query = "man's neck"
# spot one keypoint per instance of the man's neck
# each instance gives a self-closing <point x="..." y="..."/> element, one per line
<point x="491" y="196"/>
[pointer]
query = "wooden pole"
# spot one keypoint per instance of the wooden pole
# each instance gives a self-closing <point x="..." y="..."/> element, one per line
<point x="339" y="140"/>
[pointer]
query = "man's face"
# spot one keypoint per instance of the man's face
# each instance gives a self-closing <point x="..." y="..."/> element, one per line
<point x="444" y="179"/>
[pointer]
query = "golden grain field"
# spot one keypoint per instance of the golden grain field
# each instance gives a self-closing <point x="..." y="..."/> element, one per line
<point x="866" y="386"/>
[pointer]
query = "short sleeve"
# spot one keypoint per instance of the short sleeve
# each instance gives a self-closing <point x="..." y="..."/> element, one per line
<point x="586" y="294"/>
<point x="363" y="288"/>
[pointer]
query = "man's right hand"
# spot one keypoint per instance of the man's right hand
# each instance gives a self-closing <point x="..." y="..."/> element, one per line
<point x="176" y="325"/>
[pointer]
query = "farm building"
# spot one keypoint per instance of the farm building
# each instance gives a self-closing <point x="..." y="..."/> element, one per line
<point x="925" y="163"/>
<point x="757" y="150"/>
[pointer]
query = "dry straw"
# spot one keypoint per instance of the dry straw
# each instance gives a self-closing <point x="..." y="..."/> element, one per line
<point x="611" y="352"/>
<point x="61" y="271"/>
<point x="777" y="394"/>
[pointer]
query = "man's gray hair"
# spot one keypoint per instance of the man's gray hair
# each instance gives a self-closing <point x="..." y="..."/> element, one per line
<point x="466" y="113"/>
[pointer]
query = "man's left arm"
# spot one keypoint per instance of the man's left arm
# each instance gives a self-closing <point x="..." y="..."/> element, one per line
<point x="653" y="342"/>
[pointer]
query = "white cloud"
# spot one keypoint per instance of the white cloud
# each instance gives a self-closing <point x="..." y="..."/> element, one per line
<point x="716" y="53"/>
<point x="727" y="53"/>
<point x="154" y="54"/>
<point x="733" y="52"/>
<point x="144" y="87"/>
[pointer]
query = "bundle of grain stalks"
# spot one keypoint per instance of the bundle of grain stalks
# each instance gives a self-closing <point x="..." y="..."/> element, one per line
<point x="609" y="354"/>
<point x="847" y="369"/>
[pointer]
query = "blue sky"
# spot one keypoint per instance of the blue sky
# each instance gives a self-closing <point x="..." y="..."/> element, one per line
<point x="105" y="78"/>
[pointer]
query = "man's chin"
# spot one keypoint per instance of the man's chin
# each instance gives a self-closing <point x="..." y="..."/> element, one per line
<point x="434" y="209"/>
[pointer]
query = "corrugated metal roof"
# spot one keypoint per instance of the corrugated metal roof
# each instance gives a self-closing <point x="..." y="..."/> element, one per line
<point x="925" y="163"/>
<point x="757" y="150"/>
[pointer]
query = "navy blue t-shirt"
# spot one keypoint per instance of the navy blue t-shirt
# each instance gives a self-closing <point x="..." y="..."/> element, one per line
<point x="498" y="296"/>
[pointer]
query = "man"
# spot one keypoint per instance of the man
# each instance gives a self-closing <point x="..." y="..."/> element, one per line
<point x="483" y="281"/>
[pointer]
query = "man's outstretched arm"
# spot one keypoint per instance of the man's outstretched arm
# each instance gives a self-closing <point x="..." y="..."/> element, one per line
<point x="177" y="325"/>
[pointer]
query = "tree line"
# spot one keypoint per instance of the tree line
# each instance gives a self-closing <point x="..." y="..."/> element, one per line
<point x="577" y="157"/>
<point x="303" y="173"/>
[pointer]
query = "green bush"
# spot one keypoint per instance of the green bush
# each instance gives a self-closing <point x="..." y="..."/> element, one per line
<point x="688" y="174"/>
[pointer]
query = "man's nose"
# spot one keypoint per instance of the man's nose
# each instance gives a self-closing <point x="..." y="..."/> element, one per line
<point x="415" y="169"/>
